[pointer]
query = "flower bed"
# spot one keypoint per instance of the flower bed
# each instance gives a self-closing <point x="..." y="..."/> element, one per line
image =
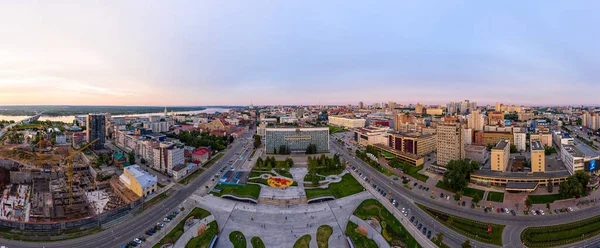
<point x="278" y="182"/>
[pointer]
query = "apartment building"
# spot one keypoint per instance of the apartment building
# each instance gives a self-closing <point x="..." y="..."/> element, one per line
<point x="520" y="140"/>
<point x="544" y="137"/>
<point x="538" y="156"/>
<point x="450" y="145"/>
<point x="96" y="129"/>
<point x="500" y="155"/>
<point x="476" y="121"/>
<point x="168" y="155"/>
<point x="492" y="138"/>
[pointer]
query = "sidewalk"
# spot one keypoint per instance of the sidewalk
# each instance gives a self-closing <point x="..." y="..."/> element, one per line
<point x="192" y="231"/>
<point x="152" y="240"/>
<point x="372" y="233"/>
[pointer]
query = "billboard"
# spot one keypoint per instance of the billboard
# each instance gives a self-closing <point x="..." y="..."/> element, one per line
<point x="590" y="166"/>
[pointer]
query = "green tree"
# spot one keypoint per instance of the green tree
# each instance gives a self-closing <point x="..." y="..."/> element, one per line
<point x="579" y="121"/>
<point x="143" y="161"/>
<point x="476" y="199"/>
<point x="289" y="162"/>
<point x="312" y="170"/>
<point x="131" y="156"/>
<point x="257" y="141"/>
<point x="457" y="174"/>
<point x="550" y="185"/>
<point x="259" y="162"/>
<point x="548" y="206"/>
<point x="513" y="148"/>
<point x="440" y="237"/>
<point x="466" y="244"/>
<point x="528" y="203"/>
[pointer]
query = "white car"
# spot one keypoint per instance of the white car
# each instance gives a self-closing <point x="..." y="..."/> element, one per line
<point x="137" y="240"/>
<point x="570" y="209"/>
<point x="532" y="212"/>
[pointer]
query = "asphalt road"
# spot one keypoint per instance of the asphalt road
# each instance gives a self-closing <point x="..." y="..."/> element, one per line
<point x="137" y="226"/>
<point x="511" y="235"/>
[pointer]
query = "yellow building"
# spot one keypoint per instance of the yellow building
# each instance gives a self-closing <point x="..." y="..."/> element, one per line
<point x="500" y="155"/>
<point x="139" y="181"/>
<point x="449" y="143"/>
<point x="538" y="159"/>
<point x="544" y="137"/>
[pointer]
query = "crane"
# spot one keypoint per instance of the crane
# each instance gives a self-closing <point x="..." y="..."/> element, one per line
<point x="69" y="172"/>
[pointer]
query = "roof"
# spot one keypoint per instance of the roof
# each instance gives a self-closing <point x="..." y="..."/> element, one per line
<point x="522" y="175"/>
<point x="179" y="167"/>
<point x="201" y="151"/>
<point x="501" y="144"/>
<point x="118" y="156"/>
<point x="521" y="185"/>
<point x="144" y="178"/>
<point x="536" y="145"/>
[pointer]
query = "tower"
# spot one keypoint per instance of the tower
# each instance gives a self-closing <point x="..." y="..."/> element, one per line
<point x="165" y="111"/>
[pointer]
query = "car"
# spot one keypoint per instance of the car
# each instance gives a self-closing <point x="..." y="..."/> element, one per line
<point x="441" y="195"/>
<point x="447" y="198"/>
<point x="498" y="210"/>
<point x="464" y="203"/>
<point x="395" y="178"/>
<point x="556" y="211"/>
<point x="542" y="211"/>
<point x="513" y="212"/>
<point x="160" y="224"/>
<point x="472" y="205"/>
<point x="537" y="212"/>
<point x="419" y="226"/>
<point x="570" y="209"/>
<point x="415" y="184"/>
<point x="429" y="234"/>
<point x="485" y="210"/>
<point x="137" y="240"/>
<point x="384" y="194"/>
<point x="424" y="230"/>
<point x="416" y="222"/>
<point x="132" y="244"/>
<point x="506" y="211"/>
<point x="395" y="204"/>
<point x="412" y="219"/>
<point x="166" y="219"/>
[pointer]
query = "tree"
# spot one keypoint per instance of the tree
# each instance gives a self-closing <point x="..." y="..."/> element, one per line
<point x="579" y="121"/>
<point x="131" y="156"/>
<point x="143" y="161"/>
<point x="528" y="203"/>
<point x="289" y="162"/>
<point x="513" y="148"/>
<point x="440" y="237"/>
<point x="466" y="244"/>
<point x="312" y="170"/>
<point x="548" y="205"/>
<point x="257" y="141"/>
<point x="457" y="175"/>
<point x="476" y="199"/>
<point x="259" y="162"/>
<point x="311" y="149"/>
<point x="550" y="185"/>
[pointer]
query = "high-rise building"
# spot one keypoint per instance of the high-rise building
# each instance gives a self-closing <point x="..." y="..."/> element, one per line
<point x="450" y="145"/>
<point x="538" y="159"/>
<point x="496" y="118"/>
<point x="500" y="155"/>
<point x="361" y="105"/>
<point x="464" y="106"/>
<point x="476" y="120"/>
<point x="419" y="108"/>
<point x="520" y="140"/>
<point x="498" y="106"/>
<point x="168" y="155"/>
<point x="96" y="129"/>
<point x="392" y="105"/>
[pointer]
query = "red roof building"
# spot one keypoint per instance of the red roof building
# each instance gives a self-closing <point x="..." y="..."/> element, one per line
<point x="201" y="155"/>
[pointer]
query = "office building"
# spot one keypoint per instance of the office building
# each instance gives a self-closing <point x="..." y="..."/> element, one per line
<point x="96" y="129"/>
<point x="450" y="145"/>
<point x="538" y="159"/>
<point x="525" y="116"/>
<point x="520" y="140"/>
<point x="420" y="144"/>
<point x="139" y="181"/>
<point x="476" y="120"/>
<point x="371" y="135"/>
<point x="434" y="111"/>
<point x="296" y="139"/>
<point x="500" y="155"/>
<point x="578" y="157"/>
<point x="477" y="153"/>
<point x="347" y="122"/>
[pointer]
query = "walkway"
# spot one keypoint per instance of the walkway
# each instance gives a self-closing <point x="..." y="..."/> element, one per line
<point x="192" y="231"/>
<point x="372" y="232"/>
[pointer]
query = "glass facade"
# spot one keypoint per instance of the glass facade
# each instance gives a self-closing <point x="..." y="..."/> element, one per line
<point x="297" y="139"/>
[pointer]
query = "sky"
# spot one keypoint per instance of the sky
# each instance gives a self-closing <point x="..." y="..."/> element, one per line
<point x="198" y="53"/>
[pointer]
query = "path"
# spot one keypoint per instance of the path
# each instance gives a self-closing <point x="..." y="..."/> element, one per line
<point x="192" y="231"/>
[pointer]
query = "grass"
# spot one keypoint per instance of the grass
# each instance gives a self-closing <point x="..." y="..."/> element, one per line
<point x="303" y="242"/>
<point x="442" y="185"/>
<point x="174" y="234"/>
<point x="257" y="242"/>
<point x="495" y="196"/>
<point x="413" y="171"/>
<point x="284" y="173"/>
<point x="155" y="200"/>
<point x="471" y="192"/>
<point x="248" y="190"/>
<point x="323" y="234"/>
<point x="357" y="238"/>
<point x="348" y="186"/>
<point x="541" y="199"/>
<point x="204" y="240"/>
<point x="308" y="178"/>
<point x="472" y="229"/>
<point x="237" y="239"/>
<point x="199" y="171"/>
<point x="563" y="234"/>
<point x="394" y="233"/>
<point x="334" y="129"/>
<point x="387" y="155"/>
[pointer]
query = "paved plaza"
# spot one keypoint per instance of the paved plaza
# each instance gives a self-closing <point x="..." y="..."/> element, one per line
<point x="281" y="226"/>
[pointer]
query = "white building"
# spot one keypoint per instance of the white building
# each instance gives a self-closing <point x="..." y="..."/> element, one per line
<point x="166" y="156"/>
<point x="520" y="140"/>
<point x="347" y="122"/>
<point x="467" y="136"/>
<point x="157" y="127"/>
<point x="288" y="120"/>
<point x="371" y="136"/>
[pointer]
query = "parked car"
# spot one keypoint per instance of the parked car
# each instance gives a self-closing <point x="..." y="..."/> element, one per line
<point x="429" y="234"/>
<point x="570" y="209"/>
<point x="419" y="226"/>
<point x="513" y="212"/>
<point x="424" y="230"/>
<point x="532" y="212"/>
<point x="498" y="210"/>
<point x="412" y="219"/>
<point x="556" y="211"/>
<point x="138" y="240"/>
<point x="464" y="203"/>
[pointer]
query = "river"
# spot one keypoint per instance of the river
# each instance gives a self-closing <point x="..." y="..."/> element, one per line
<point x="70" y="118"/>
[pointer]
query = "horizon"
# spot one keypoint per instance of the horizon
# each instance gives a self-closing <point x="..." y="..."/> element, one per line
<point x="330" y="53"/>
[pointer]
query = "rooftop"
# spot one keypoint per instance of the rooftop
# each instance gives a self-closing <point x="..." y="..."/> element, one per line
<point x="536" y="145"/>
<point x="522" y="175"/>
<point x="521" y="185"/>
<point x="501" y="144"/>
<point x="143" y="177"/>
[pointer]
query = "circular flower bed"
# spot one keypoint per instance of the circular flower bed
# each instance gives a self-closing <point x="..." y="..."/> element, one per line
<point x="277" y="182"/>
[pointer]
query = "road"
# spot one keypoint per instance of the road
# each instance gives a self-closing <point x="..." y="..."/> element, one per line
<point x="137" y="226"/>
<point x="511" y="235"/>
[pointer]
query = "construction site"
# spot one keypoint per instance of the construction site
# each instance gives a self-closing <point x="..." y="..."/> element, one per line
<point x="42" y="182"/>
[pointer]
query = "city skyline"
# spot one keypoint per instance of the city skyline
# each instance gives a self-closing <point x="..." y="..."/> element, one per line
<point x="310" y="53"/>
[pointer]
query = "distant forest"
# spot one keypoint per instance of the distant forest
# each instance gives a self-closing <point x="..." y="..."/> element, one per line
<point x="49" y="110"/>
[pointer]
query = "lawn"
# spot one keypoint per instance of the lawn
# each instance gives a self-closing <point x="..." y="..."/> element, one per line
<point x="204" y="240"/>
<point x="495" y="196"/>
<point x="237" y="239"/>
<point x="473" y="229"/>
<point x="387" y="155"/>
<point x="199" y="171"/>
<point x="560" y="235"/>
<point x="323" y="234"/>
<point x="334" y="129"/>
<point x="442" y="185"/>
<point x="541" y="199"/>
<point x="308" y="178"/>
<point x="348" y="186"/>
<point x="303" y="242"/>
<point x="248" y="190"/>
<point x="257" y="242"/>
<point x="471" y="192"/>
<point x="174" y="234"/>
<point x="357" y="238"/>
<point x="394" y="233"/>
<point x="284" y="173"/>
<point x="413" y="171"/>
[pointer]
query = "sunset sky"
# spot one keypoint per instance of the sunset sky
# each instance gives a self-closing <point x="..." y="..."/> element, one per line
<point x="298" y="52"/>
